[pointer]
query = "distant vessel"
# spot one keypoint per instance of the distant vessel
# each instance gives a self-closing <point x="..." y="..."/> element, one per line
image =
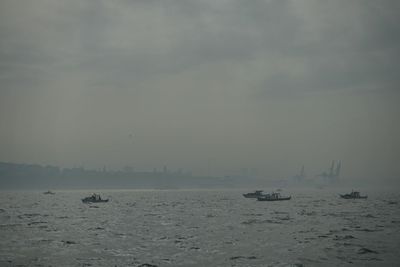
<point x="255" y="194"/>
<point x="48" y="193"/>
<point x="95" y="198"/>
<point x="273" y="197"/>
<point x="353" y="195"/>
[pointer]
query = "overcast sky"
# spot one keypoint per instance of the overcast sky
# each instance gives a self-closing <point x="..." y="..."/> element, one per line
<point x="210" y="86"/>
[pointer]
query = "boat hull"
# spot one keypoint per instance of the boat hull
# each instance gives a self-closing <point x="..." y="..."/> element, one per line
<point x="94" y="201"/>
<point x="351" y="197"/>
<point x="255" y="194"/>
<point x="251" y="196"/>
<point x="273" y="199"/>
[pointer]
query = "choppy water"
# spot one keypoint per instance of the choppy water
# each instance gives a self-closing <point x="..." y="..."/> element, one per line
<point x="197" y="228"/>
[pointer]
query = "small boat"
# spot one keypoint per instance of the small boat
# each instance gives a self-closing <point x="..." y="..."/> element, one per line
<point x="48" y="193"/>
<point x="353" y="195"/>
<point x="273" y="197"/>
<point x="255" y="194"/>
<point x="95" y="198"/>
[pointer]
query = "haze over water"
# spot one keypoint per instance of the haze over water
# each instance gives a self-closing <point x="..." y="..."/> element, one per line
<point x="211" y="87"/>
<point x="204" y="94"/>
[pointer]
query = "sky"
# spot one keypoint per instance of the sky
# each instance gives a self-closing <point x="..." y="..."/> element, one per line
<point x="207" y="86"/>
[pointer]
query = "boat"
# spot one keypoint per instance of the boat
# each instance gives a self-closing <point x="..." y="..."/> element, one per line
<point x="273" y="197"/>
<point x="95" y="198"/>
<point x="48" y="193"/>
<point x="255" y="194"/>
<point x="353" y="195"/>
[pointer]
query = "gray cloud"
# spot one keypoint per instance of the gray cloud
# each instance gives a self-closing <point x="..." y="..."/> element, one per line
<point x="228" y="80"/>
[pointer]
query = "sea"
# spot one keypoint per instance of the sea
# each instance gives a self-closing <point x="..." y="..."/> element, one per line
<point x="198" y="228"/>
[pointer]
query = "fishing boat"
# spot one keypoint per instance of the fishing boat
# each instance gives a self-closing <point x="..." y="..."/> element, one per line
<point x="255" y="194"/>
<point x="48" y="192"/>
<point x="273" y="197"/>
<point x="95" y="198"/>
<point x="353" y="195"/>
